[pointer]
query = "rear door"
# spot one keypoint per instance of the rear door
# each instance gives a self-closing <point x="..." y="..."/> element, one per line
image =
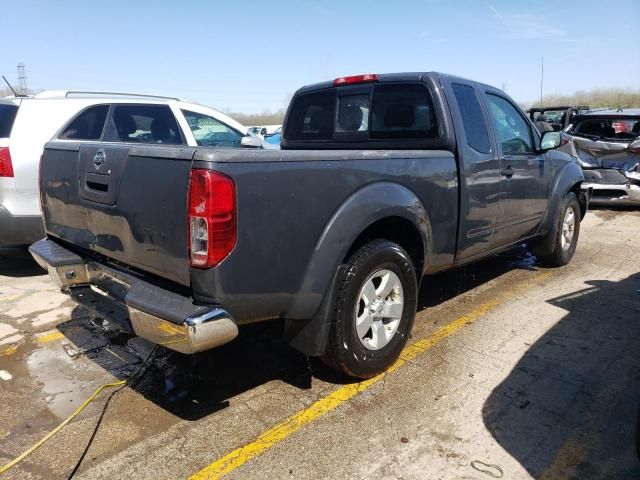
<point x="123" y="195"/>
<point x="523" y="176"/>
<point x="480" y="171"/>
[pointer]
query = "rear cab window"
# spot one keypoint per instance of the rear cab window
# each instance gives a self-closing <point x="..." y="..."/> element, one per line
<point x="153" y="124"/>
<point x="8" y="114"/>
<point x="383" y="112"/>
<point x="87" y="125"/>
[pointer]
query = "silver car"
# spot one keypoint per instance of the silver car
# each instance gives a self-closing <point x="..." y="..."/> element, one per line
<point x="606" y="144"/>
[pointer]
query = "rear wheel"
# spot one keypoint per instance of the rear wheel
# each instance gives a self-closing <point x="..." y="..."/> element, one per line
<point x="374" y="310"/>
<point x="567" y="232"/>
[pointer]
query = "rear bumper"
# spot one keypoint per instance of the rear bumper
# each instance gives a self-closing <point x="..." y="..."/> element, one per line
<point x="159" y="315"/>
<point x="19" y="230"/>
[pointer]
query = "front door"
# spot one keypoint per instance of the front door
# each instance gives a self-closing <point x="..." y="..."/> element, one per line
<point x="523" y="186"/>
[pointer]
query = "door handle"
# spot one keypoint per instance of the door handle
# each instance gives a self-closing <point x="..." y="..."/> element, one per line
<point x="508" y="171"/>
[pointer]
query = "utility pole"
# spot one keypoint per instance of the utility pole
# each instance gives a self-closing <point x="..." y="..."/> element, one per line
<point x="22" y="79"/>
<point x="541" y="80"/>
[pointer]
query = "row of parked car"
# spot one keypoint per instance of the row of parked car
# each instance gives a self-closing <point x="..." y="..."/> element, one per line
<point x="606" y="144"/>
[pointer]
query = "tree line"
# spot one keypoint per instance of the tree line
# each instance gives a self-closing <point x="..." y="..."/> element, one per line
<point x="596" y="98"/>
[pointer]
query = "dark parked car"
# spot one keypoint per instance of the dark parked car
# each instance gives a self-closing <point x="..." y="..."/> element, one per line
<point x="558" y="117"/>
<point x="606" y="144"/>
<point x="382" y="179"/>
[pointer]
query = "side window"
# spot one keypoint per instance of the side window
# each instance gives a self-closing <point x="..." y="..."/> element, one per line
<point x="511" y="129"/>
<point x="472" y="118"/>
<point x="7" y="117"/>
<point x="403" y="112"/>
<point x="312" y="117"/>
<point x="144" y="124"/>
<point x="210" y="132"/>
<point x="87" y="125"/>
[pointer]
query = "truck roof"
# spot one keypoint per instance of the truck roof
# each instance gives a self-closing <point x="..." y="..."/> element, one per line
<point x="394" y="77"/>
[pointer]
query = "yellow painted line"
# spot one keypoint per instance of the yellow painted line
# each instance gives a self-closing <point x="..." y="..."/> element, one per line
<point x="276" y="434"/>
<point x="11" y="298"/>
<point x="9" y="351"/>
<point x="49" y="337"/>
<point x="332" y="401"/>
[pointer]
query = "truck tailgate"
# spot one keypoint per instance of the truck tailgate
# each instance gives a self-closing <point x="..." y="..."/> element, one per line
<point x="126" y="202"/>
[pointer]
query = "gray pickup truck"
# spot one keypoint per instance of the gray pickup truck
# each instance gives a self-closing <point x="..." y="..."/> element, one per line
<point x="381" y="180"/>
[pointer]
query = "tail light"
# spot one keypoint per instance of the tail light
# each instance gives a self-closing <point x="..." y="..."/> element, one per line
<point x="6" y="167"/>
<point x="369" y="77"/>
<point x="212" y="217"/>
<point x="635" y="150"/>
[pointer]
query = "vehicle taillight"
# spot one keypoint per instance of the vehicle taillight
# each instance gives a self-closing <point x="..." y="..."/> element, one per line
<point x="635" y="150"/>
<point x="369" y="77"/>
<point x="6" y="168"/>
<point x="212" y="217"/>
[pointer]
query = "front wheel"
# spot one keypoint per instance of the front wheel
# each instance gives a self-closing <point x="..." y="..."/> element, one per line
<point x="374" y="310"/>
<point x="567" y="232"/>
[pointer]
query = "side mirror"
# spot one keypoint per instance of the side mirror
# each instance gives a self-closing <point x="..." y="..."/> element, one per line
<point x="251" y="141"/>
<point x="550" y="140"/>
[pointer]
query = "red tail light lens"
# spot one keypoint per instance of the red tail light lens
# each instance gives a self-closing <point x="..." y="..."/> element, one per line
<point x="369" y="77"/>
<point x="212" y="217"/>
<point x="6" y="167"/>
<point x="635" y="150"/>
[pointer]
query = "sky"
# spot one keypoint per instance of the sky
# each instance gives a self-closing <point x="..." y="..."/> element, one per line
<point x="250" y="56"/>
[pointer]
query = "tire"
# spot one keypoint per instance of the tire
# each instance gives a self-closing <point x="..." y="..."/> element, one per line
<point x="563" y="247"/>
<point x="369" y="327"/>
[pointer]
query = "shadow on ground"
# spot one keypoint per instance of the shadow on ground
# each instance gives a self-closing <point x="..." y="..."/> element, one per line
<point x="194" y="386"/>
<point x="18" y="262"/>
<point x="568" y="409"/>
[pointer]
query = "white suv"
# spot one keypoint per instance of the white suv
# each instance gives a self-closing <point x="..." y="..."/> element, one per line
<point x="27" y="123"/>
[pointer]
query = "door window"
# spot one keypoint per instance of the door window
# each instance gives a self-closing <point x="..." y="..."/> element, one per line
<point x="211" y="132"/>
<point x="475" y="127"/>
<point x="144" y="124"/>
<point x="512" y="130"/>
<point x="87" y="125"/>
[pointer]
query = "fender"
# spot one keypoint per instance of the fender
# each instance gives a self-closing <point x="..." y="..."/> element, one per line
<point x="568" y="176"/>
<point x="360" y="210"/>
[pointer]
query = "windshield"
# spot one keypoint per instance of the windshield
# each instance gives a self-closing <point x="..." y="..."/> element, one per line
<point x="610" y="128"/>
<point x="7" y="116"/>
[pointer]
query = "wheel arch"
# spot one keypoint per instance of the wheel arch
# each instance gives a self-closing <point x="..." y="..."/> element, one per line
<point x="568" y="179"/>
<point x="379" y="210"/>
